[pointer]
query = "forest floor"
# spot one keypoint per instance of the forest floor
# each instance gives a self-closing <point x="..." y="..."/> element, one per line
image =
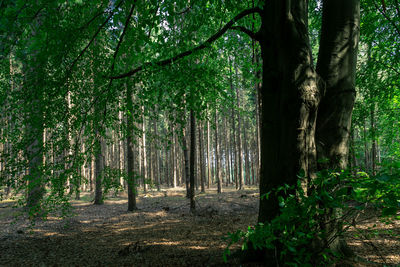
<point x="161" y="233"/>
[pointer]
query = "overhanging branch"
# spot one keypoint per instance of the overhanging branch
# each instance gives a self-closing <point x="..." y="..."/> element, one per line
<point x="94" y="36"/>
<point x="206" y="44"/>
<point x="250" y="33"/>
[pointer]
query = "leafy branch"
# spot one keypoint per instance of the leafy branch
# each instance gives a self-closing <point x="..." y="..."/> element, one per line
<point x="202" y="46"/>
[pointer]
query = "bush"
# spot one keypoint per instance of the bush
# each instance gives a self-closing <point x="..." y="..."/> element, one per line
<point x="298" y="236"/>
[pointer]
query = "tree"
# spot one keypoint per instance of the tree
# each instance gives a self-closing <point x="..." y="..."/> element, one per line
<point x="192" y="160"/>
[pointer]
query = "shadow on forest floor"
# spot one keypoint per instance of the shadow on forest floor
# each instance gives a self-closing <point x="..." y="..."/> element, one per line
<point x="161" y="233"/>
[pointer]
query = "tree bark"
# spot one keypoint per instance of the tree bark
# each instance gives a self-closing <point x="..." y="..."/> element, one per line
<point x="289" y="97"/>
<point x="186" y="161"/>
<point x="192" y="159"/>
<point x="201" y="157"/>
<point x="336" y="65"/>
<point x="208" y="156"/>
<point x="99" y="166"/>
<point x="131" y="153"/>
<point x="217" y="155"/>
<point x="144" y="154"/>
<point x="239" y="138"/>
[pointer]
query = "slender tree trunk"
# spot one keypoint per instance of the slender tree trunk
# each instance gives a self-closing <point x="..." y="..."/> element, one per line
<point x="208" y="155"/>
<point x="239" y="138"/>
<point x="99" y="165"/>
<point x="130" y="151"/>
<point x="217" y="155"/>
<point x="144" y="154"/>
<point x="156" y="156"/>
<point x="192" y="159"/>
<point x="201" y="157"/>
<point x="373" y="137"/>
<point x="186" y="161"/>
<point x="227" y="152"/>
<point x="246" y="155"/>
<point x="235" y="152"/>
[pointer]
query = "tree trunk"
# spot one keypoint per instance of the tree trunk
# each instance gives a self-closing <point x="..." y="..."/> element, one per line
<point x="208" y="156"/>
<point x="201" y="157"/>
<point x="246" y="155"/>
<point x="99" y="165"/>
<point x="192" y="159"/>
<point x="336" y="65"/>
<point x="144" y="154"/>
<point x="239" y="138"/>
<point x="235" y="152"/>
<point x="131" y="153"/>
<point x="289" y="97"/>
<point x="186" y="161"/>
<point x="217" y="156"/>
<point x="157" y="174"/>
<point x="373" y="137"/>
<point x="227" y="152"/>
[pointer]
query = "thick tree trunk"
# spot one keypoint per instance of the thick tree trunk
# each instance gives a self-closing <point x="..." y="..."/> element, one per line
<point x="337" y="60"/>
<point x="289" y="97"/>
<point x="337" y="67"/>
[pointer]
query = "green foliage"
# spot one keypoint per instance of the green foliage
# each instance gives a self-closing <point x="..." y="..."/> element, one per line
<point x="110" y="180"/>
<point x="299" y="235"/>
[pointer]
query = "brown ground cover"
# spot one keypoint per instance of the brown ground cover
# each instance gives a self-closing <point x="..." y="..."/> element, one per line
<point x="161" y="233"/>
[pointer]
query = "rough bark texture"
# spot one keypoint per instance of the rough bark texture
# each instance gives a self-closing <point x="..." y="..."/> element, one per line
<point x="289" y="97"/>
<point x="337" y="67"/>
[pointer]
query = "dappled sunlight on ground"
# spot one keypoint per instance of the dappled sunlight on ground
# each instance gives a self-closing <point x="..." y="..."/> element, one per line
<point x="161" y="233"/>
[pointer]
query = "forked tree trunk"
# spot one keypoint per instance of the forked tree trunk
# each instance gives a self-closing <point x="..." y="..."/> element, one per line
<point x="291" y="92"/>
